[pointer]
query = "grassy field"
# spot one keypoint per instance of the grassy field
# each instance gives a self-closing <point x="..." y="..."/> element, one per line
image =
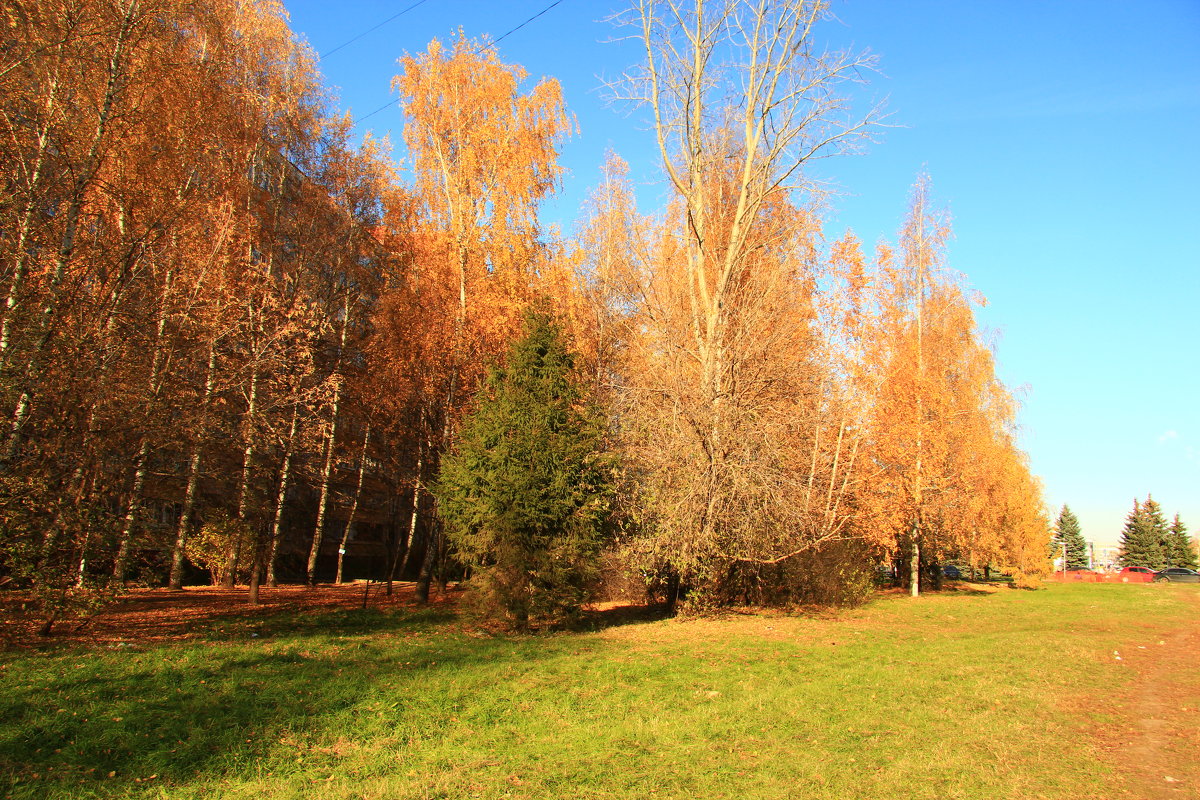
<point x="965" y="694"/>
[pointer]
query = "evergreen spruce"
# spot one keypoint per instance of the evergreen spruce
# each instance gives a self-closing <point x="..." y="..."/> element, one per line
<point x="526" y="495"/>
<point x="1067" y="531"/>
<point x="1159" y="531"/>
<point x="1182" y="552"/>
<point x="1143" y="540"/>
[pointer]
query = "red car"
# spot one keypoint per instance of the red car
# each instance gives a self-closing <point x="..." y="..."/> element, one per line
<point x="1137" y="575"/>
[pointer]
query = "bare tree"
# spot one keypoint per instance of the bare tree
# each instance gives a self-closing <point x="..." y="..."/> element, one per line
<point x="742" y="97"/>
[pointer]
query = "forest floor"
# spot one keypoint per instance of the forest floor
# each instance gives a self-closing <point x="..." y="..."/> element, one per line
<point x="144" y="616"/>
<point x="1072" y="691"/>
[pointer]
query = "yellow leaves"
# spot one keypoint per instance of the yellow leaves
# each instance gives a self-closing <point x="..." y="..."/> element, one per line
<point x="483" y="152"/>
<point x="941" y="420"/>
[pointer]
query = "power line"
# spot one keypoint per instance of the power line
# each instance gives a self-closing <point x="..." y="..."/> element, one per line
<point x="390" y="103"/>
<point x="370" y="30"/>
<point x="526" y="22"/>
<point x="376" y="111"/>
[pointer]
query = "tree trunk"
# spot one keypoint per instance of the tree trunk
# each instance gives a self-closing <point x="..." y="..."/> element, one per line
<point x="233" y="554"/>
<point x="20" y="250"/>
<point x="179" y="551"/>
<point x="673" y="585"/>
<point x="914" y="567"/>
<point x="121" y="563"/>
<point x="406" y="540"/>
<point x="255" y="578"/>
<point x="428" y="562"/>
<point x="330" y="446"/>
<point x="400" y="543"/>
<point x="362" y="469"/>
<point x="280" y="499"/>
<point x="323" y="502"/>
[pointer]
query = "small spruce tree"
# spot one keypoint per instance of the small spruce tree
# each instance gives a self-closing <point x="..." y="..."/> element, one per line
<point x="1182" y="552"/>
<point x="526" y="495"/>
<point x="1067" y="531"/>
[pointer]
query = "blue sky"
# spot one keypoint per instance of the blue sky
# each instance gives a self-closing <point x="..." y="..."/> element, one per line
<point x="1064" y="138"/>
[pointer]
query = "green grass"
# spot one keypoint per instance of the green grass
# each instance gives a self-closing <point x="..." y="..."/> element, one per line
<point x="961" y="695"/>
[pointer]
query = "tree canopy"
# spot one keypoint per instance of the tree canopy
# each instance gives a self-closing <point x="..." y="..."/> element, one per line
<point x="233" y="342"/>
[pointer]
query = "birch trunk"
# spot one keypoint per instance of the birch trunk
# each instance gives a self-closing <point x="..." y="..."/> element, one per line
<point x="362" y="464"/>
<point x="914" y="566"/>
<point x="21" y="256"/>
<point x="919" y="487"/>
<point x="330" y="444"/>
<point x="402" y="546"/>
<point x="121" y="563"/>
<point x="285" y="472"/>
<point x="233" y="554"/>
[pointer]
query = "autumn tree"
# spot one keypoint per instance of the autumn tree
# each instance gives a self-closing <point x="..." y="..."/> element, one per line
<point x="105" y="152"/>
<point x="950" y="481"/>
<point x="732" y="280"/>
<point x="180" y="196"/>
<point x="484" y="154"/>
<point x="526" y="493"/>
<point x="610" y="245"/>
<point x="1009" y="527"/>
<point x="1067" y="534"/>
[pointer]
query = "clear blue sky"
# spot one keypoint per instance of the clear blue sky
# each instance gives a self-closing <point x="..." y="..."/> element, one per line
<point x="1064" y="137"/>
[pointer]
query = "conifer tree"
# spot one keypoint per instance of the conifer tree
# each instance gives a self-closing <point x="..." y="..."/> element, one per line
<point x="1067" y="531"/>
<point x="1182" y="552"/>
<point x="1144" y="535"/>
<point x="1159" y="531"/>
<point x="526" y="495"/>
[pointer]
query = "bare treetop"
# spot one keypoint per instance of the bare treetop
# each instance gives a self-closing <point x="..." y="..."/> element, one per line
<point x="753" y="70"/>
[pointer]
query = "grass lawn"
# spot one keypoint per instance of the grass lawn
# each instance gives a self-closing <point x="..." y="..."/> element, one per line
<point x="960" y="695"/>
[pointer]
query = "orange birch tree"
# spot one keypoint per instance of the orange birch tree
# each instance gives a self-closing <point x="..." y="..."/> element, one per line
<point x="941" y="421"/>
<point x="483" y="154"/>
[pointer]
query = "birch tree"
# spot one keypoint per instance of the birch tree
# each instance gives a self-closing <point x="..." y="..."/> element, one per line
<point x="742" y="97"/>
<point x="950" y="482"/>
<point x="484" y="152"/>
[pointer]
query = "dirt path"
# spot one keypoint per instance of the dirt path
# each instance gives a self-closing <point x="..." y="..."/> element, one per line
<point x="1155" y="743"/>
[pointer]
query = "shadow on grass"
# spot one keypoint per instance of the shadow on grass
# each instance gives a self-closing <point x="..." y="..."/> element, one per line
<point x="341" y="622"/>
<point x="102" y="722"/>
<point x="970" y="588"/>
<point x="617" y="616"/>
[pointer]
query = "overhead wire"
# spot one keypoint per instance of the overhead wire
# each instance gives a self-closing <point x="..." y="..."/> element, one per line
<point x="495" y="42"/>
<point x="526" y="22"/>
<point x="370" y="30"/>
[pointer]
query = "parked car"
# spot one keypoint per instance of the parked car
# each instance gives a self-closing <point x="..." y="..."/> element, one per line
<point x="1137" y="571"/>
<point x="951" y="571"/>
<point x="1178" y="575"/>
